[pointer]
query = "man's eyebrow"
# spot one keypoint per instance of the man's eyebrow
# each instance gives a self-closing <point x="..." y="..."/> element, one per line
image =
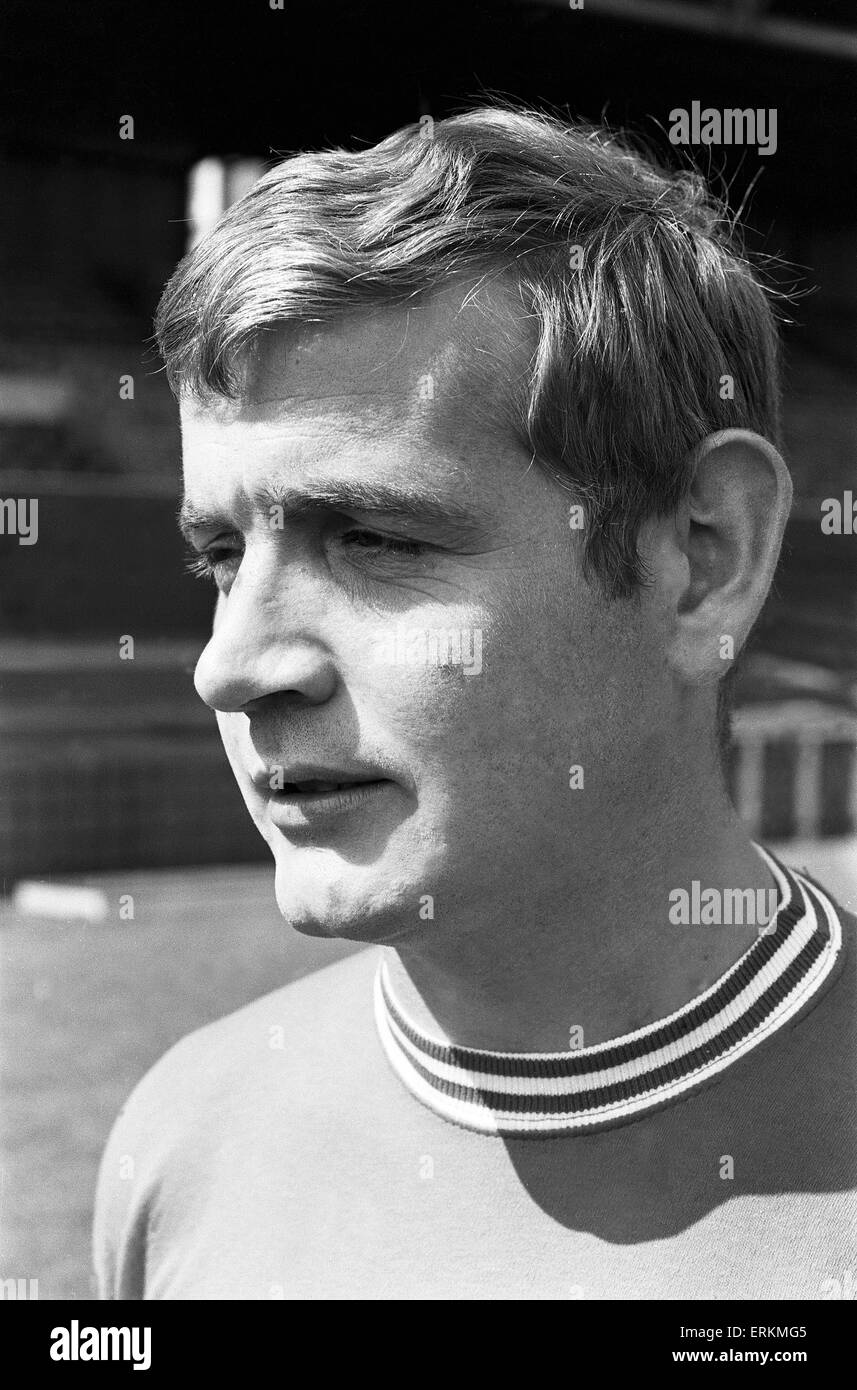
<point x="416" y="505"/>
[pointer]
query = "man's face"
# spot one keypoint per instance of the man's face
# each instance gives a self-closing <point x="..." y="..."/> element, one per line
<point x="402" y="613"/>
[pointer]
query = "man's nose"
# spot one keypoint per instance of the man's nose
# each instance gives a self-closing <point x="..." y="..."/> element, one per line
<point x="264" y="644"/>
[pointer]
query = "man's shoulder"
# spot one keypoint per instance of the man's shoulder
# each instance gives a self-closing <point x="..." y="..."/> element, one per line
<point x="290" y="1019"/>
<point x="234" y="1055"/>
<point x="224" y="1083"/>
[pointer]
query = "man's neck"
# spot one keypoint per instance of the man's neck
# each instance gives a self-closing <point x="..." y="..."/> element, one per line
<point x="598" y="958"/>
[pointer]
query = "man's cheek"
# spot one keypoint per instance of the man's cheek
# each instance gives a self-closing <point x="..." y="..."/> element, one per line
<point x="431" y="707"/>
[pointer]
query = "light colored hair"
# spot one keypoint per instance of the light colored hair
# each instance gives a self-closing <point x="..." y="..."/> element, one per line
<point x="656" y="332"/>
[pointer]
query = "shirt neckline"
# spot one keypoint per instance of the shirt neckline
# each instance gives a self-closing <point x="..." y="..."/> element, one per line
<point x="578" y="1091"/>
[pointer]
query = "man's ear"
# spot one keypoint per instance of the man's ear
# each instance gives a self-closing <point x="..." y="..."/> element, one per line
<point x="730" y="528"/>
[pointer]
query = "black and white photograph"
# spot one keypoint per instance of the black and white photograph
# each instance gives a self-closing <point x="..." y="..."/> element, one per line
<point x="428" y="664"/>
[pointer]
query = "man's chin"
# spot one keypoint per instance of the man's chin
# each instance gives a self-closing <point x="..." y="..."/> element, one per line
<point x="339" y="911"/>
<point x="371" y="928"/>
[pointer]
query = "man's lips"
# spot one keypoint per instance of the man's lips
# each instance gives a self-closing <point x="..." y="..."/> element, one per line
<point x="302" y="806"/>
<point x="304" y="777"/>
<point x="316" y="786"/>
<point x="298" y="781"/>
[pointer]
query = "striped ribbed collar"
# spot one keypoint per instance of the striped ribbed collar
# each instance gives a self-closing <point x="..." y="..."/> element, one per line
<point x="554" y="1093"/>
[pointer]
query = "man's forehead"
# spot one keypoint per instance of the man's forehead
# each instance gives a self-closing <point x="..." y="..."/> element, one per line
<point x="444" y="366"/>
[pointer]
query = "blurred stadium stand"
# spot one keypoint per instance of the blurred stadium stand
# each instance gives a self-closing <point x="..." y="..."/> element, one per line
<point x="109" y="763"/>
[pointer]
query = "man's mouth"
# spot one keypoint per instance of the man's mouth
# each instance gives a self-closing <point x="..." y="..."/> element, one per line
<point x="306" y="779"/>
<point x="315" y="785"/>
<point x="296" y="806"/>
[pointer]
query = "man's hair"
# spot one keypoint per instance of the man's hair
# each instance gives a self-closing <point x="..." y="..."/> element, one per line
<point x="650" y="327"/>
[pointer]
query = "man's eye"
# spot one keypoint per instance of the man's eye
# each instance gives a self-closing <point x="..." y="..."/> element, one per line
<point x="214" y="563"/>
<point x="374" y="542"/>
